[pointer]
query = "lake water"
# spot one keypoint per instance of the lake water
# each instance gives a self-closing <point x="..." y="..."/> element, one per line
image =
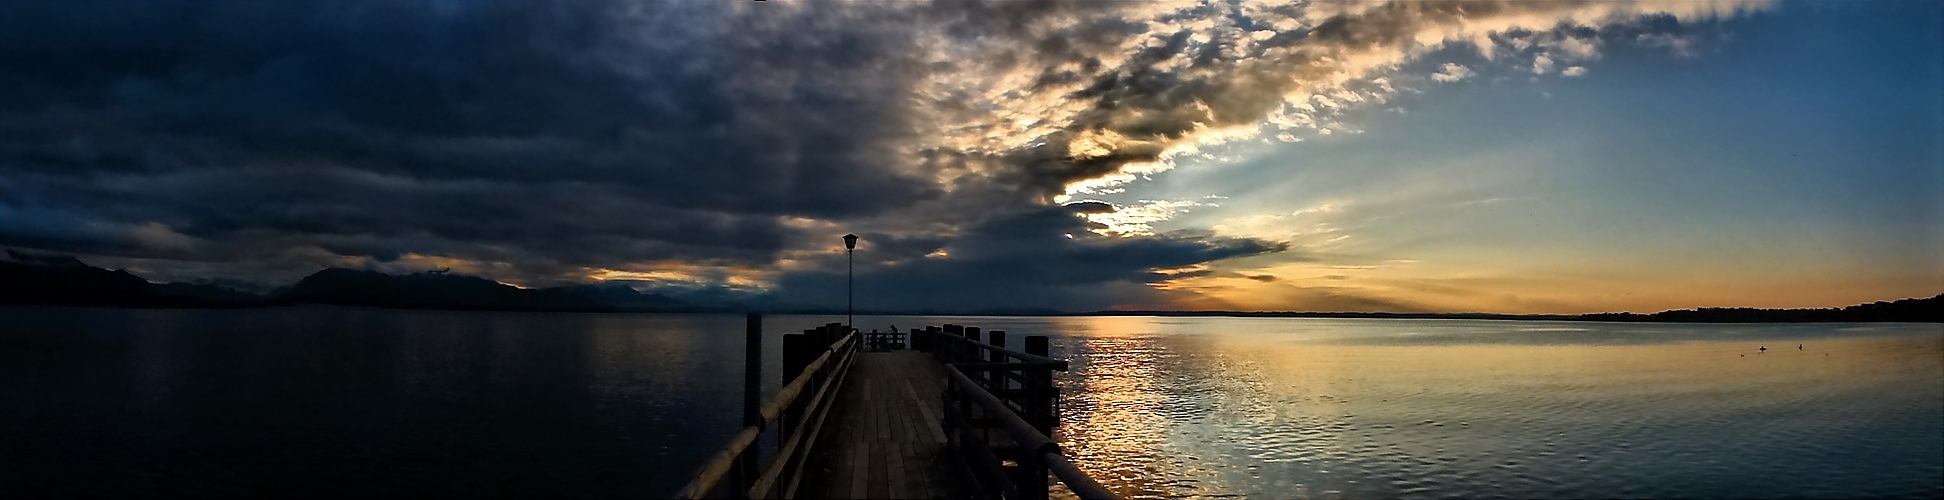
<point x="331" y="402"/>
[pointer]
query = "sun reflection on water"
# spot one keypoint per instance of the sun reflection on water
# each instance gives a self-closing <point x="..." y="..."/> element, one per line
<point x="1178" y="415"/>
<point x="1112" y="414"/>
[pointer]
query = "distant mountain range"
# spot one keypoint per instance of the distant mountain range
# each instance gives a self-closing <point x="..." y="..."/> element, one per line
<point x="62" y="280"/>
<point x="440" y="290"/>
<point x="33" y="279"/>
<point x="58" y="280"/>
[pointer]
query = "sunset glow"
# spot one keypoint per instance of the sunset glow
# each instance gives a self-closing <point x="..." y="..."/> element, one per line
<point x="1515" y="157"/>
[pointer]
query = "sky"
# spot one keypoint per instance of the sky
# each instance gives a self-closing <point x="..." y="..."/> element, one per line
<point x="1515" y="157"/>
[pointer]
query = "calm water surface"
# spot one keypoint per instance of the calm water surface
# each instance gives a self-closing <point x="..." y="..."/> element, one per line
<point x="335" y="402"/>
<point x="1312" y="408"/>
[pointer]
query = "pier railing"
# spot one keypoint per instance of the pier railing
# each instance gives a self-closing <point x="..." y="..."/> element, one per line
<point x="815" y="364"/>
<point x="876" y="341"/>
<point x="1000" y="409"/>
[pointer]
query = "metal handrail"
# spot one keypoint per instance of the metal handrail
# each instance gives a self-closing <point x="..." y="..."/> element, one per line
<point x="711" y="473"/>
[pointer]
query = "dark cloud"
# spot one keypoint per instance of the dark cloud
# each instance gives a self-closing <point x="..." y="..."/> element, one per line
<point x="1038" y="259"/>
<point x="585" y="133"/>
<point x="1092" y="207"/>
<point x="550" y="137"/>
<point x="543" y="140"/>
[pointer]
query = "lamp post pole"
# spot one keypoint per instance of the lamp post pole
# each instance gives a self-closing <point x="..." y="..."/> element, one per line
<point x="850" y="279"/>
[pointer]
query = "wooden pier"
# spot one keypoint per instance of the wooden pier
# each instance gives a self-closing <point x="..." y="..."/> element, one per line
<point x="932" y="413"/>
<point x="885" y="435"/>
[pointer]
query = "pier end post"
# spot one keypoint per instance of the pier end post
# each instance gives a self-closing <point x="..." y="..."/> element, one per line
<point x="971" y="353"/>
<point x="1040" y="403"/>
<point x="996" y="378"/>
<point x="745" y="473"/>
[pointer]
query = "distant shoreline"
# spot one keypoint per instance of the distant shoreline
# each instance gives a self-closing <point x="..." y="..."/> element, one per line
<point x="33" y="280"/>
<point x="1929" y="310"/>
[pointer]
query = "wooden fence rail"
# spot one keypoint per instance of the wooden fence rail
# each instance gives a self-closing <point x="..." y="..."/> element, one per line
<point x="1000" y="410"/>
<point x="801" y="419"/>
<point x="999" y="407"/>
<point x="875" y="341"/>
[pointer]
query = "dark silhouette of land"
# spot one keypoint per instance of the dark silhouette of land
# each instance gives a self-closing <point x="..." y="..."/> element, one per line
<point x="1929" y="310"/>
<point x="32" y="279"/>
<point x="59" y="280"/>
<point x="441" y="290"/>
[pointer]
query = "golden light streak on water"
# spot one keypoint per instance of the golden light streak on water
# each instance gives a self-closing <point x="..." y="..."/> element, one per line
<point x="1294" y="416"/>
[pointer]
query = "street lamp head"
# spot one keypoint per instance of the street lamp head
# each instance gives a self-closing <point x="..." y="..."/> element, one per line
<point x="850" y="242"/>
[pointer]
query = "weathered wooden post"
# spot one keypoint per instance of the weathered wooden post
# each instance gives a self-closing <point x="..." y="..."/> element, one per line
<point x="951" y="349"/>
<point x="795" y="348"/>
<point x="746" y="465"/>
<point x="1042" y="393"/>
<point x="970" y="353"/>
<point x="798" y="351"/>
<point x="1040" y="397"/>
<point x="996" y="378"/>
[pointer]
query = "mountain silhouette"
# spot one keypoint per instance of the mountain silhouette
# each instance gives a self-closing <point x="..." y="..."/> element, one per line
<point x="622" y="297"/>
<point x="442" y="290"/>
<point x="209" y="292"/>
<point x="36" y="279"/>
<point x="27" y="278"/>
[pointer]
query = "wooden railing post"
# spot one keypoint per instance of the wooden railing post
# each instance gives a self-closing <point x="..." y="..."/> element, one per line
<point x="795" y="345"/>
<point x="970" y="352"/>
<point x="1044" y="395"/>
<point x="798" y="411"/>
<point x="798" y="351"/>
<point x="1040" y="400"/>
<point x="746" y="472"/>
<point x="996" y="379"/>
<point x="951" y="349"/>
<point x="1014" y="397"/>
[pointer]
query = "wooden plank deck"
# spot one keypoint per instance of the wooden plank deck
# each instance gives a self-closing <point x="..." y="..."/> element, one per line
<point x="884" y="438"/>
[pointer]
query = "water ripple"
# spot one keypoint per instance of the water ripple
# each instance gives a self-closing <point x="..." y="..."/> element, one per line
<point x="1261" y="416"/>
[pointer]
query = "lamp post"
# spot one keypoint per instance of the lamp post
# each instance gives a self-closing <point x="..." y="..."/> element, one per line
<point x="850" y="278"/>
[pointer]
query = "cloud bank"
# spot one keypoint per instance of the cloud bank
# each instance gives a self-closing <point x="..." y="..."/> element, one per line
<point x="719" y="145"/>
